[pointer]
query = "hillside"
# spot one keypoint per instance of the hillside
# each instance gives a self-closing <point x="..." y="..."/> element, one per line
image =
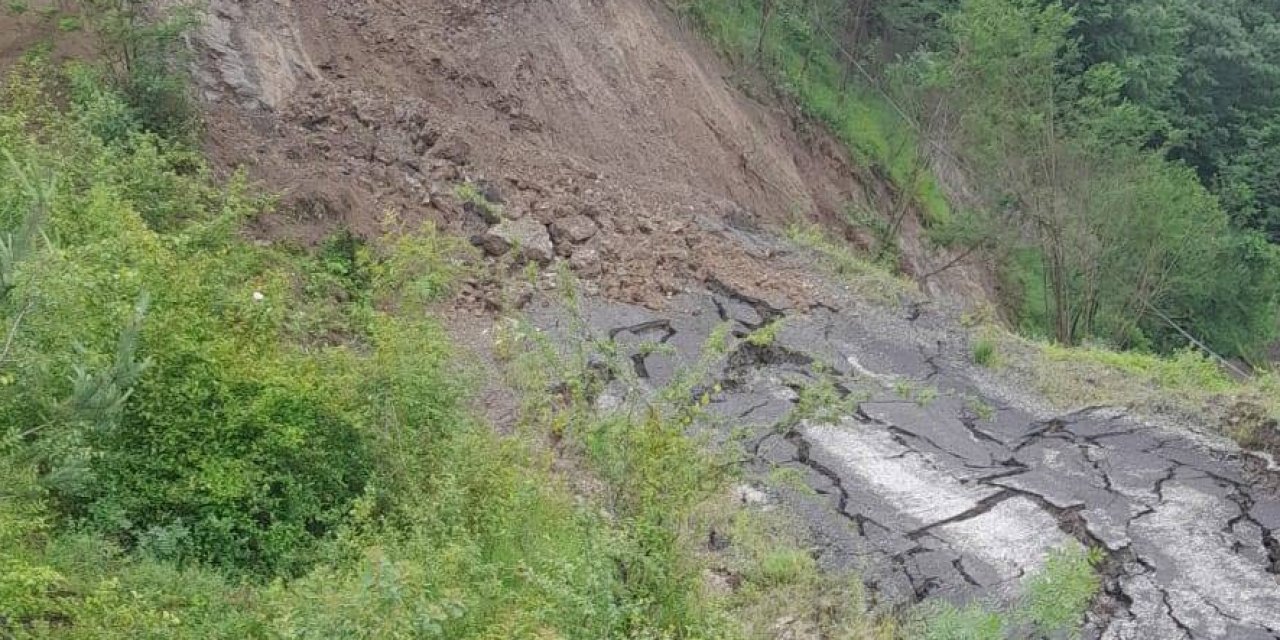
<point x="512" y="319"/>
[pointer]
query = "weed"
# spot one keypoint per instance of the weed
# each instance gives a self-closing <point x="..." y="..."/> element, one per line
<point x="921" y="394"/>
<point x="980" y="408"/>
<point x="473" y="198"/>
<point x="1188" y="384"/>
<point x="985" y="353"/>
<point x="766" y="335"/>
<point x="974" y="622"/>
<point x="863" y="276"/>
<point x="790" y="478"/>
<point x="785" y="566"/>
<point x="1056" y="598"/>
<point x="822" y="401"/>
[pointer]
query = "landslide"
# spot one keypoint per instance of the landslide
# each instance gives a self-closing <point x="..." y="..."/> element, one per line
<point x="607" y="123"/>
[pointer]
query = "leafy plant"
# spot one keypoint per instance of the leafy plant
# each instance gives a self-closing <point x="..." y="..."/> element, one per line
<point x="1057" y="597"/>
<point x="472" y="197"/>
<point x="985" y="353"/>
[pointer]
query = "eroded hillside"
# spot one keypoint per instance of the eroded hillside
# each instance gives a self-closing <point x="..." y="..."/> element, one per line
<point x="598" y="117"/>
<point x="701" y="419"/>
<point x="605" y="134"/>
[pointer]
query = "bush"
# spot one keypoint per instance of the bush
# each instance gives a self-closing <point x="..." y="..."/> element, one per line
<point x="984" y="353"/>
<point x="191" y="430"/>
<point x="147" y="59"/>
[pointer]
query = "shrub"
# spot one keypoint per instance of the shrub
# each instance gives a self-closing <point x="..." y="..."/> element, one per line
<point x="985" y="353"/>
<point x="190" y="430"/>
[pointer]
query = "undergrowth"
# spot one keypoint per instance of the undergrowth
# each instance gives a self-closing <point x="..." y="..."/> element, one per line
<point x="1188" y="384"/>
<point x="650" y="467"/>
<point x="1053" y="604"/>
<point x="805" y="64"/>
<point x="863" y="276"/>
<point x="202" y="437"/>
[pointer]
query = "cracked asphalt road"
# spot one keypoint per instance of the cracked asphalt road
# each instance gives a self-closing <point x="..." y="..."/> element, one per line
<point x="932" y="484"/>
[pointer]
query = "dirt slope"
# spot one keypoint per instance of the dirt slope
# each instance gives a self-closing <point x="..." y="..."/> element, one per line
<point x="606" y="110"/>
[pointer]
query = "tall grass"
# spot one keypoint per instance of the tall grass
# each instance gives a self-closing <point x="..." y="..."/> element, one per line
<point x="806" y="65"/>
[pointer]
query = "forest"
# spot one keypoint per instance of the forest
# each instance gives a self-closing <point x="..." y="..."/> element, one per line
<point x="1118" y="156"/>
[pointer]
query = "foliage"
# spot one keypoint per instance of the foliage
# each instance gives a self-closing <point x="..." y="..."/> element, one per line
<point x="184" y="457"/>
<point x="985" y="353"/>
<point x="794" y="41"/>
<point x="217" y="444"/>
<point x="973" y="622"/>
<point x="1057" y="597"/>
<point x="1055" y="600"/>
<point x="1099" y="227"/>
<point x="766" y="335"/>
<point x="866" y="278"/>
<point x="145" y="55"/>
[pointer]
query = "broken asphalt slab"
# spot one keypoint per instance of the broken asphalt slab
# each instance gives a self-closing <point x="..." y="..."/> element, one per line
<point x="926" y="499"/>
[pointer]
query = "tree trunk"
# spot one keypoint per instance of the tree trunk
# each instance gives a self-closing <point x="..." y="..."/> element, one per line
<point x="766" y="12"/>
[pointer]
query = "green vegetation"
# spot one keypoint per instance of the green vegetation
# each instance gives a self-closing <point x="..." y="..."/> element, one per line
<point x="985" y="353"/>
<point x="863" y="276"/>
<point x="822" y="402"/>
<point x="1057" y="597"/>
<point x="792" y="42"/>
<point x="204" y="438"/>
<point x="980" y="408"/>
<point x="1116" y="157"/>
<point x="1104" y="222"/>
<point x="1187" y="383"/>
<point x="472" y="197"/>
<point x="1055" y="601"/>
<point x="766" y="335"/>
<point x="973" y="622"/>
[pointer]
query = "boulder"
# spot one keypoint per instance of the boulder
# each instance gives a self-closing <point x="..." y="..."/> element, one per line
<point x="527" y="234"/>
<point x="574" y="230"/>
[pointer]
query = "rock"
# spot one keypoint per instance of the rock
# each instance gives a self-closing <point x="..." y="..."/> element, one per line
<point x="793" y="628"/>
<point x="526" y="233"/>
<point x="454" y="150"/>
<point x="488" y="214"/>
<point x="586" y="263"/>
<point x="575" y="229"/>
<point x="491" y="191"/>
<point x="491" y="243"/>
<point x="749" y="495"/>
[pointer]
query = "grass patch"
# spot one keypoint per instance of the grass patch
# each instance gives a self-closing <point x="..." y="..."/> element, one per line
<point x="1054" y="603"/>
<point x="985" y="353"/>
<point x="863" y="276"/>
<point x="980" y="408"/>
<point x="805" y="65"/>
<point x="1187" y="385"/>
<point x="766" y="335"/>
<point x="473" y="199"/>
<point x="1057" y="597"/>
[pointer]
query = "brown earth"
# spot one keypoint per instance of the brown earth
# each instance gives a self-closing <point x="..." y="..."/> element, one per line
<point x="20" y="33"/>
<point x="609" y="119"/>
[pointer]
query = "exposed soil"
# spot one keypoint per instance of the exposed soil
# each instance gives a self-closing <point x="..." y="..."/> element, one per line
<point x="608" y="114"/>
<point x="22" y="33"/>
